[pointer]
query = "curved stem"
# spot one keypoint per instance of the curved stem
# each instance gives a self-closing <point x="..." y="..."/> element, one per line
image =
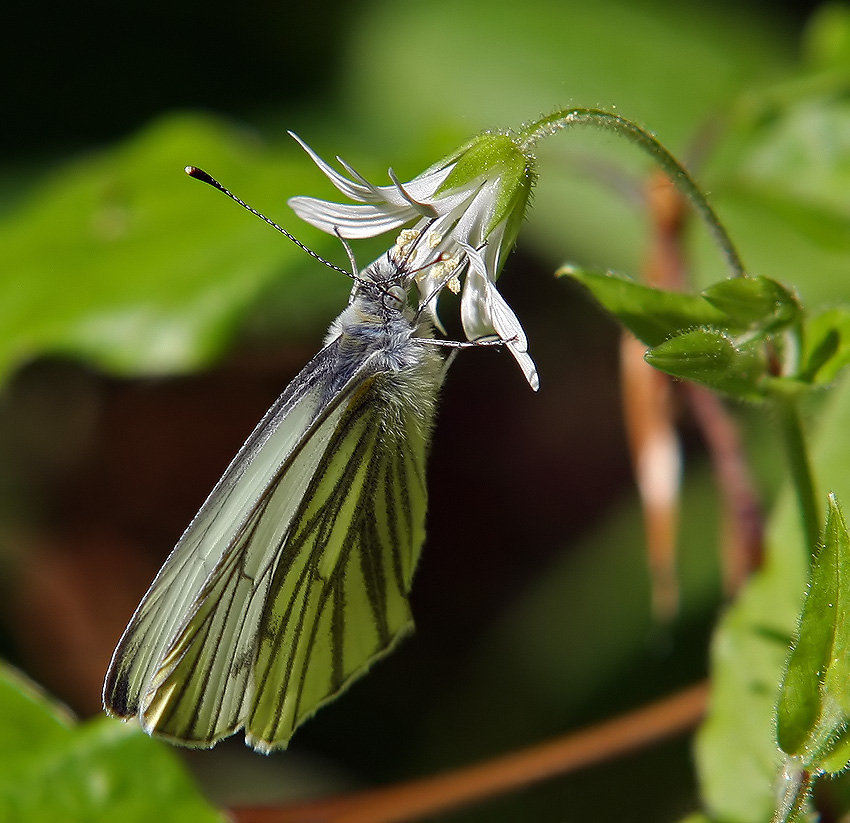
<point x="429" y="796"/>
<point x="644" y="140"/>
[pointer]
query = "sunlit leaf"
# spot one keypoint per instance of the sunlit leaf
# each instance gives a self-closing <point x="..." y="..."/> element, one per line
<point x="652" y="315"/>
<point x="52" y="768"/>
<point x="814" y="702"/>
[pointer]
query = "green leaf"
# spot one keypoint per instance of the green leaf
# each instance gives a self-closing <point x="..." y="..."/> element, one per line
<point x="122" y="259"/>
<point x="711" y="358"/>
<point x="827" y="345"/>
<point x="652" y="315"/>
<point x="814" y="702"/>
<point x="736" y="751"/>
<point x="52" y="769"/>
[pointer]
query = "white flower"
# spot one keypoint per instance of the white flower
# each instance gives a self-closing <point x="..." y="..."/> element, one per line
<point x="468" y="210"/>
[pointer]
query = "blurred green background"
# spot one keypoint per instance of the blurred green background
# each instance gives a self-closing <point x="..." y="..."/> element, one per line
<point x="146" y="324"/>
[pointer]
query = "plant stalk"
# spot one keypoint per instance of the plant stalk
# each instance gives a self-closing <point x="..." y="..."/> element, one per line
<point x="802" y="478"/>
<point x="668" y="163"/>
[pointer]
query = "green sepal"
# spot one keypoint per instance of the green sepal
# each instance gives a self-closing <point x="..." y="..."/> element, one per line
<point x="814" y="701"/>
<point x="492" y="155"/>
<point x="711" y="358"/>
<point x="839" y="757"/>
<point x="754" y="303"/>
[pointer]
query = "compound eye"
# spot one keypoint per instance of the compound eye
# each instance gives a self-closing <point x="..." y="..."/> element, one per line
<point x="395" y="297"/>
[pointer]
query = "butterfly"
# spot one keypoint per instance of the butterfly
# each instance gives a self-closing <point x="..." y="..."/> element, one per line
<point x="293" y="578"/>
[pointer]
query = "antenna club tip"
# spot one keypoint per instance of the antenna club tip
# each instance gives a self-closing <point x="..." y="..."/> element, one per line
<point x="199" y="174"/>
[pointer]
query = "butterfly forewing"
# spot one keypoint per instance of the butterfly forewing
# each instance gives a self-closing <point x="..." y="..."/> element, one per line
<point x="293" y="577"/>
<point x="207" y="675"/>
<point x="216" y="539"/>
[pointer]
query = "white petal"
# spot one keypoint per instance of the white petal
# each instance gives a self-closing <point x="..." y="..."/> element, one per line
<point x="421" y="189"/>
<point x="474" y="306"/>
<point x="527" y="365"/>
<point x="361" y="192"/>
<point x="505" y="322"/>
<point x="485" y="312"/>
<point x="352" y="222"/>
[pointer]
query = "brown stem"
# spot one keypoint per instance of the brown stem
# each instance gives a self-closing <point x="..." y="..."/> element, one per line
<point x="648" y="407"/>
<point x="741" y="542"/>
<point x="743" y="521"/>
<point x="428" y="796"/>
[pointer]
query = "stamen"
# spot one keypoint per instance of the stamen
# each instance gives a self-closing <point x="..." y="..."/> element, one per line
<point x="405" y="239"/>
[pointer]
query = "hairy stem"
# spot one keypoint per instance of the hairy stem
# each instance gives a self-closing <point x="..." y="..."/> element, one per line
<point x="796" y="785"/>
<point x="802" y="478"/>
<point x="668" y="163"/>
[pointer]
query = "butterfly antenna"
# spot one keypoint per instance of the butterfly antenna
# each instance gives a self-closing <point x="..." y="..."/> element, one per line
<point x="200" y="174"/>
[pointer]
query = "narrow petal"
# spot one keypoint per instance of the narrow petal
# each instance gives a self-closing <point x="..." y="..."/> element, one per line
<point x="352" y="222"/>
<point x="475" y="307"/>
<point x="527" y="365"/>
<point x="361" y="192"/>
<point x="505" y="322"/>
<point x="422" y="189"/>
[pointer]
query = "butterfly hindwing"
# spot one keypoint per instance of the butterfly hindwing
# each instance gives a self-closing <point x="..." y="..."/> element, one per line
<point x="339" y="597"/>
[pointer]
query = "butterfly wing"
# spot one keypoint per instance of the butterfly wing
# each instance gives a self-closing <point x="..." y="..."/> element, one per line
<point x="291" y="579"/>
<point x="215" y="537"/>
<point x="339" y="597"/>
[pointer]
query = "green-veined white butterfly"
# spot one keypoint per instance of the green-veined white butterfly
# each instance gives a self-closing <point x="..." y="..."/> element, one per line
<point x="293" y="577"/>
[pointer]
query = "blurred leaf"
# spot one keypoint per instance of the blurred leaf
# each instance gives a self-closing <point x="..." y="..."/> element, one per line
<point x="827" y="42"/>
<point x="785" y="173"/>
<point x="552" y="43"/>
<point x="814" y="701"/>
<point x="123" y="259"/>
<point x="52" y="769"/>
<point x="827" y="345"/>
<point x="736" y="749"/>
<point x="711" y="358"/>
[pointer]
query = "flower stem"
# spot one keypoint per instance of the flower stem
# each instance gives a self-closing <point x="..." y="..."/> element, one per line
<point x="643" y="139"/>
<point x="788" y="412"/>
<point x="794" y="791"/>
